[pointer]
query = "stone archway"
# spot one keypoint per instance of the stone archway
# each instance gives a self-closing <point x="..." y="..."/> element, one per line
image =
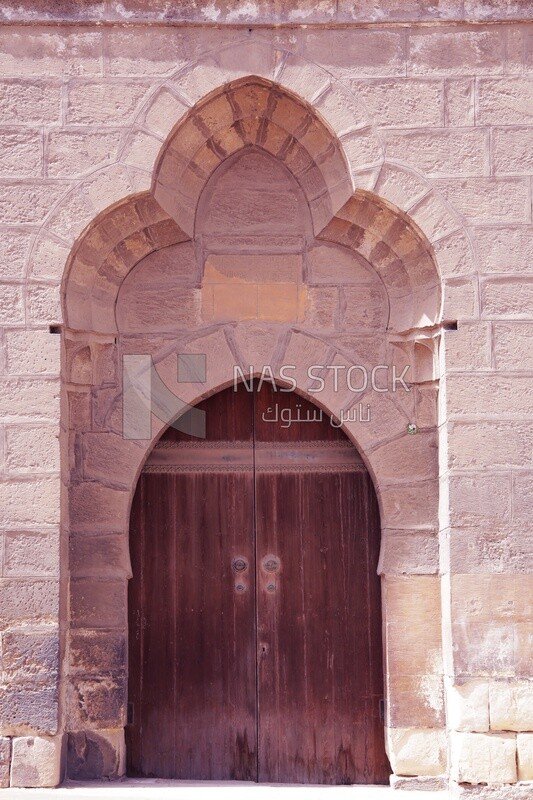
<point x="342" y="280"/>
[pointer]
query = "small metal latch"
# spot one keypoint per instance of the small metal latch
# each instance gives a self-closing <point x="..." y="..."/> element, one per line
<point x="130" y="714"/>
<point x="382" y="709"/>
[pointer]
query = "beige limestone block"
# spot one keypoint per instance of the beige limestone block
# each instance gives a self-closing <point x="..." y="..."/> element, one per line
<point x="30" y="102"/>
<point x="511" y="704"/>
<point x="440" y="152"/>
<point x="141" y="151"/>
<point x="26" y="398"/>
<point x="48" y="258"/>
<point x="20" y="153"/>
<point x="512" y="345"/>
<point x="459" y="102"/>
<point x="34" y="553"/>
<point x="483" y="758"/>
<point x="414" y="640"/>
<point x="454" y="254"/>
<point x="491" y="444"/>
<point x="32" y="352"/>
<point x="400" y="102"/>
<point x="507" y="298"/>
<point x="512" y="151"/>
<point x="416" y="751"/>
<point x="37" y="761"/>
<point x="369" y="53"/>
<point x="14" y="248"/>
<point x="103" y="103"/>
<point x="5" y="761"/>
<point x="29" y="601"/>
<point x="32" y="448"/>
<point x="468" y="348"/>
<point x="163" y="112"/>
<point x="522" y="497"/>
<point x="479" y="394"/>
<point x="11" y="304"/>
<point x="456" y="52"/>
<point x="362" y="149"/>
<point x="524" y="745"/>
<point x="72" y="153"/>
<point x="146" y="51"/>
<point x="409" y="552"/>
<point x="467" y="706"/>
<point x="400" y="186"/>
<point x="506" y="99"/>
<point x="44" y="303"/>
<point x="341" y="110"/>
<point x="460" y="298"/>
<point x="484" y="200"/>
<point x="56" y="51"/>
<point x="28" y="500"/>
<point x="504" y="248"/>
<point x="479" y="498"/>
<point x="434" y="217"/>
<point x="408" y="505"/>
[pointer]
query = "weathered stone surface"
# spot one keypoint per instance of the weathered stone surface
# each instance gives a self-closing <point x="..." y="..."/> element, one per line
<point x="490" y="444"/>
<point x="32" y="449"/>
<point x="414" y="639"/>
<point x="30" y="656"/>
<point x="440" y="153"/>
<point x="103" y="103"/>
<point x="95" y="755"/>
<point x="467" y="706"/>
<point x="450" y="52"/>
<point x="409" y="552"/>
<point x="524" y="746"/>
<point x="97" y="703"/>
<point x="97" y="653"/>
<point x="400" y="102"/>
<point x="29" y="708"/>
<point x="416" y="751"/>
<point x="72" y="153"/>
<point x="5" y="761"/>
<point x="511" y="345"/>
<point x="482" y="200"/>
<point x="511" y="704"/>
<point x="96" y="507"/>
<point x="30" y="500"/>
<point x="468" y="348"/>
<point x="105" y="556"/>
<point x="483" y="758"/>
<point x="459" y="102"/>
<point x="32" y="352"/>
<point x="37" y="761"/>
<point x="507" y="298"/>
<point x="30" y="601"/>
<point x="98" y="604"/>
<point x="30" y="102"/>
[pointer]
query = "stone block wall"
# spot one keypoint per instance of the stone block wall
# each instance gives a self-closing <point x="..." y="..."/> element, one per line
<point x="432" y="118"/>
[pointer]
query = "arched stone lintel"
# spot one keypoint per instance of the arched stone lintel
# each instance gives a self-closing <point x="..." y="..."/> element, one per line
<point x="117" y="240"/>
<point x="399" y="252"/>
<point x="251" y="111"/>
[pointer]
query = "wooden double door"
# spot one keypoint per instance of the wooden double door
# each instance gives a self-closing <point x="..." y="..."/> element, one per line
<point x="254" y="610"/>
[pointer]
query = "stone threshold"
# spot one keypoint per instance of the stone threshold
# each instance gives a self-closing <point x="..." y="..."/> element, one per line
<point x="131" y="789"/>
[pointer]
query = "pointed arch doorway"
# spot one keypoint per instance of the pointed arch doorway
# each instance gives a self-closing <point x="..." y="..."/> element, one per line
<point x="254" y="609"/>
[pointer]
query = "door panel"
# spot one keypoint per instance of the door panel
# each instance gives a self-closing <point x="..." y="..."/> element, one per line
<point x="255" y="644"/>
<point x="320" y="672"/>
<point x="193" y="649"/>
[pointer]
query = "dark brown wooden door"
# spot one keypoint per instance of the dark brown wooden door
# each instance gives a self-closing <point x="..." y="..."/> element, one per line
<point x="255" y="622"/>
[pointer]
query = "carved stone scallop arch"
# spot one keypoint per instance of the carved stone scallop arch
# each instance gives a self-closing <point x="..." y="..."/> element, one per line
<point x="137" y="227"/>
